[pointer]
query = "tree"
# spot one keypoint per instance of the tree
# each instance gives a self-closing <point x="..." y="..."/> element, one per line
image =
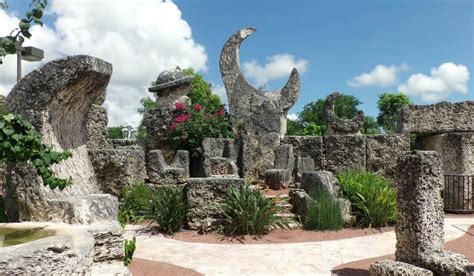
<point x="370" y="126"/>
<point x="389" y="105"/>
<point x="115" y="132"/>
<point x="18" y="35"/>
<point x="201" y="93"/>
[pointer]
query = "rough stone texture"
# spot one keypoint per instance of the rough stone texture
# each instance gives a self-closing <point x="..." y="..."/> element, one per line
<point x="157" y="122"/>
<point x="320" y="181"/>
<point x="442" y="117"/>
<point x="456" y="149"/>
<point x="161" y="173"/>
<point x="259" y="116"/>
<point x="344" y="152"/>
<point x="303" y="164"/>
<point x="256" y="153"/>
<point x="280" y="177"/>
<point x="56" y="99"/>
<point x="57" y="255"/>
<point x="3" y="104"/>
<point x="220" y="157"/>
<point x="299" y="200"/>
<point x="97" y="128"/>
<point x="337" y="125"/>
<point x="308" y="146"/>
<point x="420" y="222"/>
<point x="383" y="152"/>
<point x="205" y="199"/>
<point x="117" y="168"/>
<point x="108" y="241"/>
<point x="394" y="268"/>
<point x="170" y="86"/>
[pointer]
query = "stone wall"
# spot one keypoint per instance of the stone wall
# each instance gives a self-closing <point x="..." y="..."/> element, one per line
<point x="337" y="153"/>
<point x="443" y="117"/>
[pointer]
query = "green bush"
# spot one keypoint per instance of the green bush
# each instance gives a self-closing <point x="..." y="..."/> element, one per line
<point x="324" y="213"/>
<point x="247" y="211"/>
<point x="136" y="203"/>
<point x="373" y="199"/>
<point x="3" y="215"/>
<point x="168" y="208"/>
<point x="129" y="249"/>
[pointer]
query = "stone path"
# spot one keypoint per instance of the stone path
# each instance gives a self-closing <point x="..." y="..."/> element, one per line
<point x="315" y="258"/>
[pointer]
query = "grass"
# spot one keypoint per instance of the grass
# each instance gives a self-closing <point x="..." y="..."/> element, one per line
<point x="324" y="213"/>
<point x="372" y="196"/>
<point x="168" y="208"/>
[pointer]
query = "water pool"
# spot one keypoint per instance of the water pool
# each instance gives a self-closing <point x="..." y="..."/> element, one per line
<point x="12" y="236"/>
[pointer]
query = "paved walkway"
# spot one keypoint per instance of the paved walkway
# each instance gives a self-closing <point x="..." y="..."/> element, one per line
<point x="315" y="258"/>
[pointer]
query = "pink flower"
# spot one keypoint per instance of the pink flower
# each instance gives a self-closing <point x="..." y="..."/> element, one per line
<point x="180" y="106"/>
<point x="173" y="125"/>
<point x="221" y="112"/>
<point x="181" y="118"/>
<point x="197" y="107"/>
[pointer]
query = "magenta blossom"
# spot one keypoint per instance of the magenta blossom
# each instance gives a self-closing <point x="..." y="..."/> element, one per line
<point x="180" y="106"/>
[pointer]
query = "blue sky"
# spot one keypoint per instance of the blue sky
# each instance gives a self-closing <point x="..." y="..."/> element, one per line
<point x="333" y="41"/>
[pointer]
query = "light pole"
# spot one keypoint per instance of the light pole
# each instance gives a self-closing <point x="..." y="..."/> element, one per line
<point x="28" y="53"/>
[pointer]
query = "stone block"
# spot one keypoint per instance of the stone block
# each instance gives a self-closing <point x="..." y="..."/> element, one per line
<point x="384" y="150"/>
<point x="220" y="147"/>
<point x="308" y="146"/>
<point x="220" y="157"/>
<point x="299" y="200"/>
<point x="221" y="166"/>
<point x="394" y="268"/>
<point x="118" y="168"/>
<point x="206" y="197"/>
<point x="438" y="118"/>
<point x="315" y="182"/>
<point x="344" y="152"/>
<point x="96" y="127"/>
<point x="159" y="172"/>
<point x="303" y="164"/>
<point x="277" y="179"/>
<point x="157" y="122"/>
<point x="284" y="158"/>
<point x="445" y="263"/>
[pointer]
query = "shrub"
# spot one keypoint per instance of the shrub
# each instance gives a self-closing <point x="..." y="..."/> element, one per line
<point x="3" y="215"/>
<point x="324" y="213"/>
<point x="168" y="208"/>
<point x="129" y="249"/>
<point x="136" y="201"/>
<point x="373" y="199"/>
<point x="247" y="211"/>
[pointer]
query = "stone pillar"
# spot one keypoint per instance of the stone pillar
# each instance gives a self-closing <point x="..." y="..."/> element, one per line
<point x="420" y="222"/>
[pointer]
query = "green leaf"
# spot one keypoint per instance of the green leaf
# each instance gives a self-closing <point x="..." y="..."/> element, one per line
<point x="8" y="117"/>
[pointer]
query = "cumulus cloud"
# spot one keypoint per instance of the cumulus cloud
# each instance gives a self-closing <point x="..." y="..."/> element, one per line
<point x="277" y="66"/>
<point x="139" y="39"/>
<point x="292" y="116"/>
<point x="381" y="75"/>
<point x="448" y="78"/>
<point x="219" y="90"/>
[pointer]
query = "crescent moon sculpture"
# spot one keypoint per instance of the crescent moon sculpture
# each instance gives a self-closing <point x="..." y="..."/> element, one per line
<point x="259" y="116"/>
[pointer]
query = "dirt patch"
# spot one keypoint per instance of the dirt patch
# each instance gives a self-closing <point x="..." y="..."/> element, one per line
<point x="278" y="236"/>
<point x="142" y="267"/>
<point x="462" y="245"/>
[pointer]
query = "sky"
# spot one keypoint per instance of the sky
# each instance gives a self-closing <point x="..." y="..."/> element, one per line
<point x="423" y="48"/>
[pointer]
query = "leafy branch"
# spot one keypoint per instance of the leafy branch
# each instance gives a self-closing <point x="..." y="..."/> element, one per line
<point x="17" y="35"/>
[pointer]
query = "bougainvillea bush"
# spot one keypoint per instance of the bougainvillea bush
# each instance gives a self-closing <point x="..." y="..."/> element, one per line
<point x="192" y="124"/>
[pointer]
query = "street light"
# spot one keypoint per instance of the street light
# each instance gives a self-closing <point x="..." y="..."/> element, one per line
<point x="28" y="53"/>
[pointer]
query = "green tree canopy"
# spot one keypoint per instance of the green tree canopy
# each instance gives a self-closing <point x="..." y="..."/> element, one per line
<point x="389" y="105"/>
<point x="201" y="93"/>
<point x="115" y="132"/>
<point x="370" y="126"/>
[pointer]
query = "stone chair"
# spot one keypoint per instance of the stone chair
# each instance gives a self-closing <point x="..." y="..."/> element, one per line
<point x="280" y="176"/>
<point x="159" y="172"/>
<point x="219" y="157"/>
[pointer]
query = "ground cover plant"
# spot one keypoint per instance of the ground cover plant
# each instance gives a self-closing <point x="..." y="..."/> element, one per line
<point x="372" y="196"/>
<point x="323" y="213"/>
<point x="168" y="208"/>
<point x="248" y="211"/>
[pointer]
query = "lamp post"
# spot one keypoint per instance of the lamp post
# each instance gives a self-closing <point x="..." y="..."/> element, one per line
<point x="28" y="53"/>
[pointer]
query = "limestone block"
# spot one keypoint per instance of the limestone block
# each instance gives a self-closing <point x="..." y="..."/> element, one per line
<point x="118" y="168"/>
<point x="337" y="125"/>
<point x="220" y="157"/>
<point x="157" y="122"/>
<point x="205" y="199"/>
<point x="344" y="152"/>
<point x="383" y="151"/>
<point x="303" y="164"/>
<point x="438" y="118"/>
<point x="159" y="172"/>
<point x="308" y="146"/>
<point x="97" y="128"/>
<point x="315" y="182"/>
<point x="299" y="200"/>
<point x="394" y="268"/>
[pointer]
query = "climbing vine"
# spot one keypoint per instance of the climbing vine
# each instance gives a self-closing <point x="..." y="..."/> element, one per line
<point x="20" y="142"/>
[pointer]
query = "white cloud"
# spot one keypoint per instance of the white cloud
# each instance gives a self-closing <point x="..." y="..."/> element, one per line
<point x="219" y="90"/>
<point x="278" y="66"/>
<point x="381" y="75"/>
<point x="292" y="116"/>
<point x="444" y="80"/>
<point x="139" y="39"/>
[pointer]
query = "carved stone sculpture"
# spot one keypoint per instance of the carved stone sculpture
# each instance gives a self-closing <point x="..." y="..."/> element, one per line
<point x="337" y="125"/>
<point x="259" y="116"/>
